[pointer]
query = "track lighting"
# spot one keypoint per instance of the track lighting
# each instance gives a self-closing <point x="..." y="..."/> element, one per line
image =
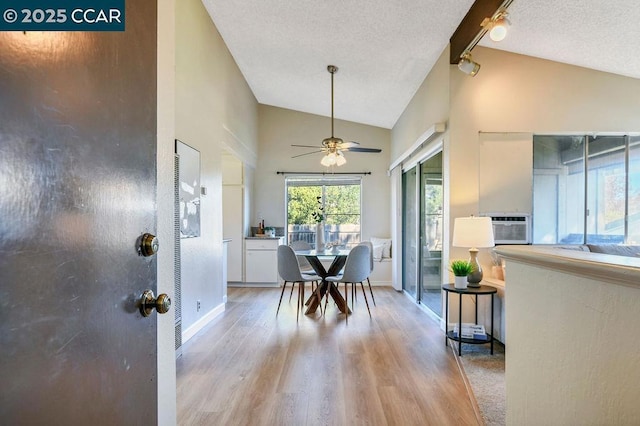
<point x="498" y="27"/>
<point x="467" y="66"/>
<point x="495" y="22"/>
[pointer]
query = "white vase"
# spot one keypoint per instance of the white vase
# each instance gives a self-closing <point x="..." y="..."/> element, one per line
<point x="320" y="237"/>
<point x="460" y="282"/>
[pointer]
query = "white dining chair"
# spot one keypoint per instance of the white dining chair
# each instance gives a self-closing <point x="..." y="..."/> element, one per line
<point x="303" y="263"/>
<point x="370" y="245"/>
<point x="289" y="271"/>
<point x="356" y="270"/>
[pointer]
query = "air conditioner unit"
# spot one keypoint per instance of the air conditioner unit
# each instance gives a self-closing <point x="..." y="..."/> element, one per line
<point x="511" y="228"/>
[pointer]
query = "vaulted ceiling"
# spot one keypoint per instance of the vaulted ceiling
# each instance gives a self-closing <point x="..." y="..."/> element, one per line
<point x="385" y="48"/>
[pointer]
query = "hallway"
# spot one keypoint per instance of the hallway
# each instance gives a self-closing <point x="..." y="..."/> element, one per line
<point x="250" y="368"/>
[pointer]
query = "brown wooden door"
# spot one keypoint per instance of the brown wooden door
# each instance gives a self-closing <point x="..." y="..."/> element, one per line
<point x="77" y="189"/>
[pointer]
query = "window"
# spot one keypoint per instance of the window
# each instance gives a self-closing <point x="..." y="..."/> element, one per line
<point x="340" y="202"/>
<point x="594" y="201"/>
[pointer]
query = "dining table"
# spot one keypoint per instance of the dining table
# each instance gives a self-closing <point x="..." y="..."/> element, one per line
<point x="338" y="258"/>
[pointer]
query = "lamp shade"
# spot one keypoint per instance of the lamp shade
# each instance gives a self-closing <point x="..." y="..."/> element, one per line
<point x="473" y="232"/>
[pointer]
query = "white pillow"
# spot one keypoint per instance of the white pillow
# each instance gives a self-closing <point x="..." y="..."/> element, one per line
<point x="385" y="243"/>
<point x="377" y="252"/>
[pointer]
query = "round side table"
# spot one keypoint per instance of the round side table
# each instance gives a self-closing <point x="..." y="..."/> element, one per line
<point x="474" y="291"/>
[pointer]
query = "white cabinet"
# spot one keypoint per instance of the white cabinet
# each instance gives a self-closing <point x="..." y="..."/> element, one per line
<point x="261" y="260"/>
<point x="233" y="228"/>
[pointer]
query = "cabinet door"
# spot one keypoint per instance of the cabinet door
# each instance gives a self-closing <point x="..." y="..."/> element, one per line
<point x="262" y="266"/>
<point x="232" y="222"/>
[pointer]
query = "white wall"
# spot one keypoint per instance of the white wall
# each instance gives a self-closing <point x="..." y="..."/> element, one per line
<point x="429" y="105"/>
<point x="279" y="128"/>
<point x="214" y="108"/>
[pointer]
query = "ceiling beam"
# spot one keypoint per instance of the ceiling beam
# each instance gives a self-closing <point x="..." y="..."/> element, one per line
<point x="470" y="26"/>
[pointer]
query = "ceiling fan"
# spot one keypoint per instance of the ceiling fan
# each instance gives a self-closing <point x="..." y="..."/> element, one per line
<point x="334" y="147"/>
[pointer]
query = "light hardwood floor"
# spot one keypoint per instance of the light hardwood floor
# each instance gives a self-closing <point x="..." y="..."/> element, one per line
<point x="250" y="368"/>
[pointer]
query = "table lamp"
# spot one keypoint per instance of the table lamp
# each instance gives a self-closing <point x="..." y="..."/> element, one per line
<point x="473" y="232"/>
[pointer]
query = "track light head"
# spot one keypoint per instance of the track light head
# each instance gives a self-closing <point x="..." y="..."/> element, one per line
<point x="467" y="66"/>
<point x="499" y="27"/>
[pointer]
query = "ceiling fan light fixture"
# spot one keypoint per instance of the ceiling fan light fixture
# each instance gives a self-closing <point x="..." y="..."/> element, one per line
<point x="332" y="146"/>
<point x="326" y="161"/>
<point x="467" y="66"/>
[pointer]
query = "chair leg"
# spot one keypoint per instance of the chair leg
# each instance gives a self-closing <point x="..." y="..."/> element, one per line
<point x="365" y="298"/>
<point x="346" y="304"/>
<point x="284" y="285"/>
<point x="298" y="302"/>
<point x="371" y="291"/>
<point x="290" y="294"/>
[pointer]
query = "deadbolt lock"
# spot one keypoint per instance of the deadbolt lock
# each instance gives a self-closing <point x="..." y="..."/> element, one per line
<point x="149" y="245"/>
<point x="148" y="302"/>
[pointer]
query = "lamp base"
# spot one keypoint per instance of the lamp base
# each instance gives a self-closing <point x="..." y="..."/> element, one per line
<point x="475" y="277"/>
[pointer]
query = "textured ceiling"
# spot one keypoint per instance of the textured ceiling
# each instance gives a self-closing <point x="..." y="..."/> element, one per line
<point x="385" y="48"/>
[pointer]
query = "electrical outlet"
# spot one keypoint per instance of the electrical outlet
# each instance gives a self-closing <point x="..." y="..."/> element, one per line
<point x="198" y="306"/>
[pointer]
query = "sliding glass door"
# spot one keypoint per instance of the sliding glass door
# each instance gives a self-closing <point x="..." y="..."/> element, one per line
<point x="410" y="209"/>
<point x="422" y="188"/>
<point x="431" y="233"/>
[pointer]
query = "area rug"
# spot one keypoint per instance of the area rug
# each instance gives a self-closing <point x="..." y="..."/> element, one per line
<point x="485" y="373"/>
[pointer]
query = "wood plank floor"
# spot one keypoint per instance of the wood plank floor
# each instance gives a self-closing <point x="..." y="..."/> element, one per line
<point x="249" y="367"/>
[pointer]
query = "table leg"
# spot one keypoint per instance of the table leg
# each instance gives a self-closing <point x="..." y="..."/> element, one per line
<point x="337" y="297"/>
<point x="459" y="324"/>
<point x="476" y="296"/>
<point x="313" y="301"/>
<point x="446" y="317"/>
<point x="492" y="324"/>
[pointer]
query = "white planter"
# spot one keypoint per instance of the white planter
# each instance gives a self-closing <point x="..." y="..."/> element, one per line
<point x="460" y="282"/>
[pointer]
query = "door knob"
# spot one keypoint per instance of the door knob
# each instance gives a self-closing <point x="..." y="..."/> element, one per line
<point x="149" y="245"/>
<point x="148" y="302"/>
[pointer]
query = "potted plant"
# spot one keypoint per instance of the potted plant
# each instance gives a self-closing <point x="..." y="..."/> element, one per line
<point x="461" y="268"/>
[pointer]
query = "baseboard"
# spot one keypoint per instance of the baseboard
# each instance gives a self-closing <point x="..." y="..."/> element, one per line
<point x="275" y="285"/>
<point x="202" y="322"/>
<point x="264" y="285"/>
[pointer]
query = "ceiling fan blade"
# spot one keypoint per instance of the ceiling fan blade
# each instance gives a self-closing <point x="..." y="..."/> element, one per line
<point x="308" y="153"/>
<point x="305" y="146"/>
<point x="350" y="144"/>
<point x="358" y="149"/>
